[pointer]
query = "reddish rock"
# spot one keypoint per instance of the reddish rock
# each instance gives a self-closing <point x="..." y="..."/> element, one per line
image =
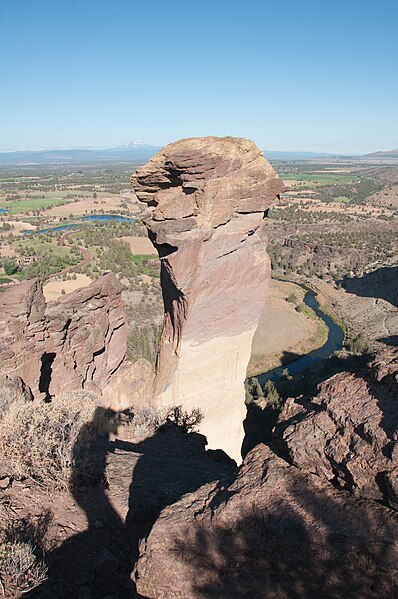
<point x="348" y="432"/>
<point x="274" y="532"/>
<point x="207" y="199"/>
<point x="77" y="342"/>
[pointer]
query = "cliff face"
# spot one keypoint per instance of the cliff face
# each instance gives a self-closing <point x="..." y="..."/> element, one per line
<point x="75" y="343"/>
<point x="207" y="198"/>
<point x="316" y="524"/>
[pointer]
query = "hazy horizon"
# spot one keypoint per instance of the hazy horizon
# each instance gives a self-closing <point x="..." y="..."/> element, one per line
<point x="308" y="77"/>
<point x="157" y="145"/>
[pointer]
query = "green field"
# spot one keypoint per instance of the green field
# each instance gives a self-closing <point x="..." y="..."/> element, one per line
<point x="21" y="206"/>
<point x="141" y="261"/>
<point x="316" y="180"/>
<point x="37" y="246"/>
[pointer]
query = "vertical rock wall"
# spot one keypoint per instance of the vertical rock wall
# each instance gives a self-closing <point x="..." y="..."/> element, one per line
<point x="207" y="198"/>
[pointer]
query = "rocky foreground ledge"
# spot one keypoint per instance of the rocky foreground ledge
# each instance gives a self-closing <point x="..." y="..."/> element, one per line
<point x="315" y="521"/>
<point x="207" y="199"/>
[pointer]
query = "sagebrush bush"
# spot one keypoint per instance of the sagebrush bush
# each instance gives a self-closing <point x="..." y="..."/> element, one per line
<point x="146" y="420"/>
<point x="20" y="569"/>
<point x="39" y="439"/>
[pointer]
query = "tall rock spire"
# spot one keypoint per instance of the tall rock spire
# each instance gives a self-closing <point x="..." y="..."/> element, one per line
<point x="207" y="199"/>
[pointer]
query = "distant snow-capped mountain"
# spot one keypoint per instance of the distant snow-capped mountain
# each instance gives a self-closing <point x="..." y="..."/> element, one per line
<point x="134" y="150"/>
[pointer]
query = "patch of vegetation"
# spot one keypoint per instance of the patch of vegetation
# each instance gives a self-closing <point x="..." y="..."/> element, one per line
<point x="20" y="569"/>
<point x="42" y="441"/>
<point x="31" y="205"/>
<point x="356" y="192"/>
<point x="10" y="266"/>
<point x="334" y="254"/>
<point x="143" y="341"/>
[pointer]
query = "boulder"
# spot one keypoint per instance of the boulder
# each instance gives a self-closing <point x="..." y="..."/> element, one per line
<point x="274" y="532"/>
<point x="348" y="433"/>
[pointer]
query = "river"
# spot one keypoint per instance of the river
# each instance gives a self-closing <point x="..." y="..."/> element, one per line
<point x="334" y="342"/>
<point x="78" y="223"/>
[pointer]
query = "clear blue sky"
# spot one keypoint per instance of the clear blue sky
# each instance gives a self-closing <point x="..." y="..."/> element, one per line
<point x="291" y="74"/>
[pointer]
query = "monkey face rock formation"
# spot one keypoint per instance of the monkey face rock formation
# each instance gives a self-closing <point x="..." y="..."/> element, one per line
<point x="207" y="198"/>
<point x="77" y="342"/>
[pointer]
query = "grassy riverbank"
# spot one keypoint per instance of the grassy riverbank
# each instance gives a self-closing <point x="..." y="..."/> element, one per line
<point x="288" y="328"/>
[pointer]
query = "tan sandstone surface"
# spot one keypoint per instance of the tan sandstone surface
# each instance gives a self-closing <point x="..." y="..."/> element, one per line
<point x="207" y="198"/>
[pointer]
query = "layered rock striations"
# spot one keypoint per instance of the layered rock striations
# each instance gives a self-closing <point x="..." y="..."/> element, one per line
<point x="75" y="343"/>
<point x="207" y="199"/>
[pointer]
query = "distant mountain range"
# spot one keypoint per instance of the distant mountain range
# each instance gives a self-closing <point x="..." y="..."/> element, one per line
<point x="131" y="151"/>
<point x="140" y="152"/>
<point x="387" y="154"/>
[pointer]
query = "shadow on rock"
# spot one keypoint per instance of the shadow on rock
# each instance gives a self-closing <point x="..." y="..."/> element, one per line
<point x="381" y="283"/>
<point x="148" y="476"/>
<point x="273" y="533"/>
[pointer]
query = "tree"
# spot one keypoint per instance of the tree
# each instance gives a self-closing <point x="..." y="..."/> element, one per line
<point x="10" y="266"/>
<point x="272" y="396"/>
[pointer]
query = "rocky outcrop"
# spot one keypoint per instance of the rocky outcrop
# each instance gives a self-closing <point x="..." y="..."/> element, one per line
<point x="207" y="199"/>
<point x="348" y="432"/>
<point x="77" y="342"/>
<point x="131" y="387"/>
<point x="274" y="532"/>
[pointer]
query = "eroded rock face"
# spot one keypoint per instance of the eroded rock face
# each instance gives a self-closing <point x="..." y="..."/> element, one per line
<point x="348" y="432"/>
<point x="77" y="342"/>
<point x="274" y="532"/>
<point x="207" y="199"/>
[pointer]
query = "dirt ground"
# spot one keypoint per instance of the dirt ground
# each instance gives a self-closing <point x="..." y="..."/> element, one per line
<point x="7" y="252"/>
<point x="85" y="206"/>
<point x="281" y="329"/>
<point x="140" y="246"/>
<point x="18" y="227"/>
<point x="53" y="289"/>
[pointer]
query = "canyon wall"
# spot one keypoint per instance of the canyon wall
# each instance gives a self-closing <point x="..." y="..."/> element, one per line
<point x="75" y="343"/>
<point x="207" y="199"/>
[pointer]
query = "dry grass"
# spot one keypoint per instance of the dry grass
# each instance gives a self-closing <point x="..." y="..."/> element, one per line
<point x="53" y="289"/>
<point x="82" y="207"/>
<point x="40" y="441"/>
<point x="140" y="246"/>
<point x="143" y="421"/>
<point x="146" y="420"/>
<point x="281" y="329"/>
